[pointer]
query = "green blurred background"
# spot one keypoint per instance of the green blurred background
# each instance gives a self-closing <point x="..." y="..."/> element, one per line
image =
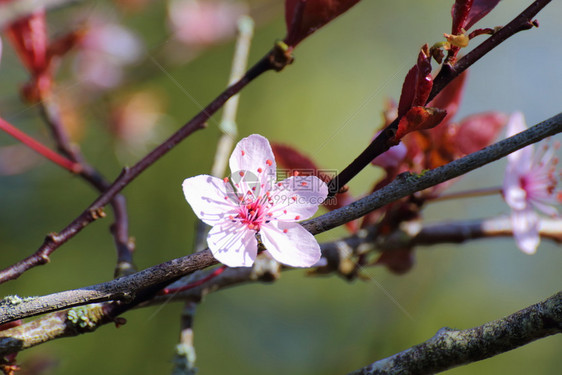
<point x="328" y="104"/>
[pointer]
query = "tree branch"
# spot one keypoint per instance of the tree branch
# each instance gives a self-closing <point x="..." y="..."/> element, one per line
<point x="381" y="143"/>
<point x="95" y="210"/>
<point x="406" y="183"/>
<point x="127" y="288"/>
<point x="120" y="228"/>
<point x="450" y="348"/>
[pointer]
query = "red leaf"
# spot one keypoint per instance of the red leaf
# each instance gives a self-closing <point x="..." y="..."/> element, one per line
<point x="418" y="118"/>
<point x="417" y="84"/>
<point x="450" y="97"/>
<point x="291" y="158"/>
<point x="466" y="13"/>
<point x="29" y="38"/>
<point x="316" y="13"/>
<point x="459" y="13"/>
<point x="479" y="9"/>
<point x="478" y="131"/>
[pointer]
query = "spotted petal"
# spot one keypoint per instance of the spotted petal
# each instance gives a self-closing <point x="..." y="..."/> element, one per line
<point x="296" y="247"/>
<point x="211" y="198"/>
<point x="233" y="244"/>
<point x="298" y="198"/>
<point x="519" y="161"/>
<point x="253" y="160"/>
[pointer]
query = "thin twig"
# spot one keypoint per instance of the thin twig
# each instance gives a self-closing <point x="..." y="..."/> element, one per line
<point x="95" y="210"/>
<point x="381" y="143"/>
<point x="120" y="228"/>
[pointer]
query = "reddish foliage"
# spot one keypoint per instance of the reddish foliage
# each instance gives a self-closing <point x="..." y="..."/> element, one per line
<point x="450" y="97"/>
<point x="316" y="13"/>
<point x="29" y="38"/>
<point x="478" y="131"/>
<point x="466" y="13"/>
<point x="418" y="118"/>
<point x="291" y="158"/>
<point x="459" y="13"/>
<point x="479" y="9"/>
<point x="417" y="84"/>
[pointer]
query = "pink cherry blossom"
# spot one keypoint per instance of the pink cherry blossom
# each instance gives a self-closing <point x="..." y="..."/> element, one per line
<point x="530" y="185"/>
<point x="251" y="205"/>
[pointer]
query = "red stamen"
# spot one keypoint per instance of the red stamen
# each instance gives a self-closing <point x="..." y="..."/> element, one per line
<point x="269" y="162"/>
<point x="243" y="153"/>
<point x="260" y="170"/>
<point x="285" y="230"/>
<point x="297" y="217"/>
<point x="241" y="173"/>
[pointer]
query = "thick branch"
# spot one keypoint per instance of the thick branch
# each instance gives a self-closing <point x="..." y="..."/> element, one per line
<point x="404" y="185"/>
<point x="450" y="348"/>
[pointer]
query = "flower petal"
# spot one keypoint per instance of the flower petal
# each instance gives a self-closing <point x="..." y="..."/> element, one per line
<point x="210" y="198"/>
<point x="233" y="244"/>
<point x="522" y="159"/>
<point x="526" y="230"/>
<point x="297" y="198"/>
<point x="252" y="165"/>
<point x="290" y="244"/>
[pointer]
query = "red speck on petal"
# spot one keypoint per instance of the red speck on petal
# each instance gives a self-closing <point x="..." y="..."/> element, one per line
<point x="241" y="173"/>
<point x="285" y="230"/>
<point x="225" y="180"/>
<point x="297" y="217"/>
<point x="284" y="211"/>
<point x="225" y="198"/>
<point x="294" y="197"/>
<point x="243" y="152"/>
<point x="260" y="170"/>
<point x="231" y="217"/>
<point x="303" y="183"/>
<point x="269" y="162"/>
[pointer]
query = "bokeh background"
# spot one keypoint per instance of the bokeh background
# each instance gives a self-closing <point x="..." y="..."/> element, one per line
<point x="328" y="104"/>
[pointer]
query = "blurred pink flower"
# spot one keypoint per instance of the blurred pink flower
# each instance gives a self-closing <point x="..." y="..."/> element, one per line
<point x="106" y="49"/>
<point x="203" y="23"/>
<point x="251" y="202"/>
<point x="530" y="184"/>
